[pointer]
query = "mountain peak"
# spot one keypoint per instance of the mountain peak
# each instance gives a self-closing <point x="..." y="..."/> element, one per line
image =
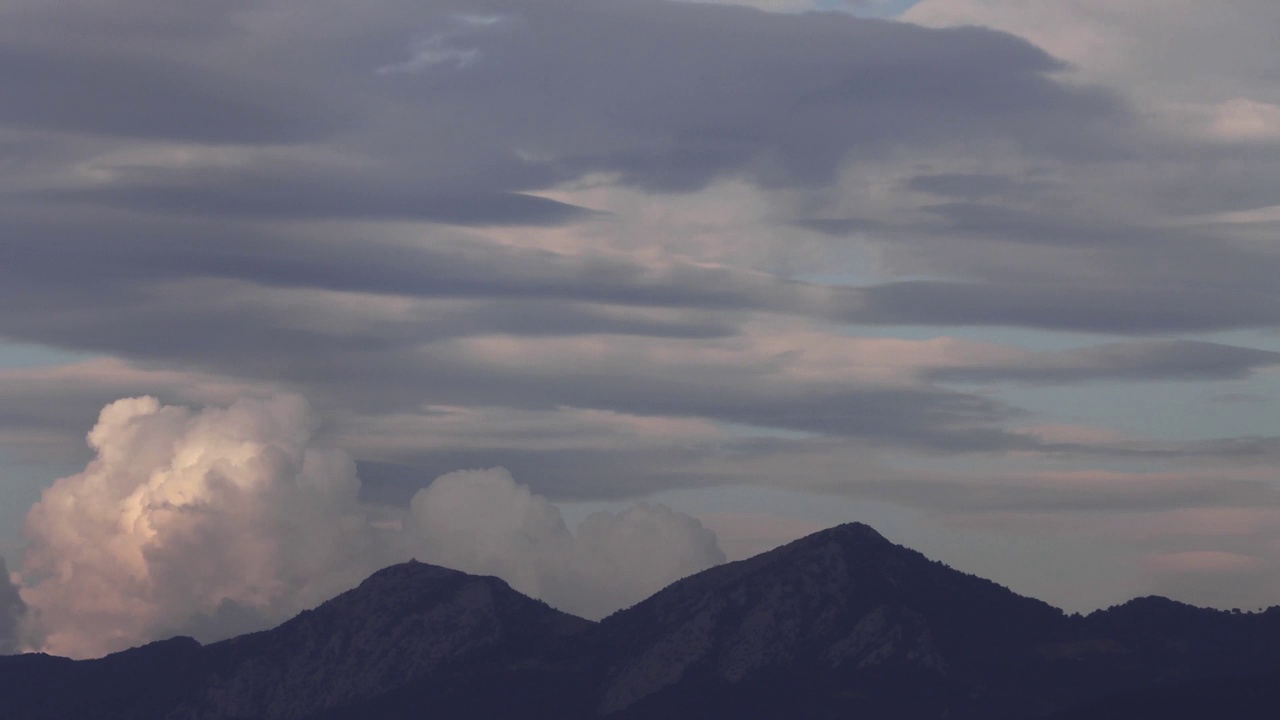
<point x="403" y="622"/>
<point x="412" y="572"/>
<point x="853" y="533"/>
<point x="1155" y="603"/>
<point x="844" y="602"/>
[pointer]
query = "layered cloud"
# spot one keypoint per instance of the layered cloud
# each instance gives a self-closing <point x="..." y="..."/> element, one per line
<point x="834" y="122"/>
<point x="629" y="247"/>
<point x="1166" y="55"/>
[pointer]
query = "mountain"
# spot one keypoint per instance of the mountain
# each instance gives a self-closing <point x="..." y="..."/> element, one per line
<point x="409" y="623"/>
<point x="844" y="619"/>
<point x="1247" y="697"/>
<point x="842" y="623"/>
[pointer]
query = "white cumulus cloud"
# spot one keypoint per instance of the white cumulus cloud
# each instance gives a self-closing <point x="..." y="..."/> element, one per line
<point x="217" y="521"/>
<point x="184" y="514"/>
<point x="481" y="521"/>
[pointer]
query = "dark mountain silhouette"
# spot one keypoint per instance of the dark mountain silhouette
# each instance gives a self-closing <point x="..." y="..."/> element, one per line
<point x="1247" y="697"/>
<point x="842" y="623"/>
<point x="406" y="623"/>
<point x="844" y="619"/>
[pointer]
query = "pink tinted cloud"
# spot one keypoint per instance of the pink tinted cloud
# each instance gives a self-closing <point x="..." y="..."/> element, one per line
<point x="1210" y="522"/>
<point x="1200" y="562"/>
<point x="1076" y="434"/>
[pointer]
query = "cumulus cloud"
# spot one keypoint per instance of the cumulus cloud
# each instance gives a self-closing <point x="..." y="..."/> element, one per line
<point x="218" y="521"/>
<point x="12" y="610"/>
<point x="481" y="521"/>
<point x="184" y="514"/>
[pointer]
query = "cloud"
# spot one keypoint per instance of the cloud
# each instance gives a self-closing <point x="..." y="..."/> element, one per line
<point x="1242" y="119"/>
<point x="12" y="611"/>
<point x="1064" y="306"/>
<point x="45" y="407"/>
<point x="52" y="89"/>
<point x="183" y="511"/>
<point x="288" y="193"/>
<point x="1146" y="360"/>
<point x="971" y="186"/>
<point x="664" y="95"/>
<point x="1218" y="578"/>
<point x="483" y="522"/>
<point x="439" y="48"/>
<point x="540" y="232"/>
<point x="744" y="535"/>
<point x="1170" y="56"/>
<point x="804" y="5"/>
<point x="288" y="262"/>
<point x="218" y="521"/>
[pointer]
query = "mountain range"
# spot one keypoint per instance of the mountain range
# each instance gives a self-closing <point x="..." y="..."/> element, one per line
<point x="840" y="624"/>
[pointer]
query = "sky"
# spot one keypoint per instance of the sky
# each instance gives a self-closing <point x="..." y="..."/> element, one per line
<point x="594" y="294"/>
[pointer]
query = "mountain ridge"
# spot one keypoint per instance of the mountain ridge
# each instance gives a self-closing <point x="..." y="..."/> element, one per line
<point x="841" y="622"/>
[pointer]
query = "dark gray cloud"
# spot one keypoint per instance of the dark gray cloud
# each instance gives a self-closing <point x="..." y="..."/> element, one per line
<point x="126" y="23"/>
<point x="744" y="395"/>
<point x="1047" y="251"/>
<point x="135" y="96"/>
<point x="211" y="189"/>
<point x="838" y="226"/>
<point x="12" y="610"/>
<point x="697" y="91"/>
<point x="624" y="247"/>
<point x="64" y="257"/>
<point x="285" y="195"/>
<point x="668" y="95"/>
<point x="972" y="186"/>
